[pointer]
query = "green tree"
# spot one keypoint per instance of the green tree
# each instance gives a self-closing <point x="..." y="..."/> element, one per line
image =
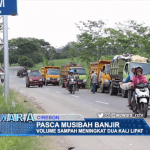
<point x="24" y="60"/>
<point x="72" y="53"/>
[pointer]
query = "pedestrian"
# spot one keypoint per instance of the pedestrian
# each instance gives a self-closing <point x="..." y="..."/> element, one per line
<point x="93" y="81"/>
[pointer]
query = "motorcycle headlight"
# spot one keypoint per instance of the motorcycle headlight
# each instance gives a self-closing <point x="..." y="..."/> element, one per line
<point x="72" y="79"/>
<point x="106" y="81"/>
<point x="84" y="80"/>
<point x="48" y="78"/>
<point x="40" y="79"/>
<point x="58" y="79"/>
<point x="30" y="79"/>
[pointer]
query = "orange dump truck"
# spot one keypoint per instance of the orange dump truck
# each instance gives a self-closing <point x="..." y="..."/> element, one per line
<point x="51" y="75"/>
<point x="99" y="68"/>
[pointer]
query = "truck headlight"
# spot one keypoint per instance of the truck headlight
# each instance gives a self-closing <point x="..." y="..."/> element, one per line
<point x="58" y="79"/>
<point x="30" y="79"/>
<point x="84" y="80"/>
<point x="106" y="81"/>
<point x="40" y="79"/>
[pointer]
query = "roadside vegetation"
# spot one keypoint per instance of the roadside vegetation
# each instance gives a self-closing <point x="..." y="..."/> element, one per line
<point x="95" y="41"/>
<point x="20" y="104"/>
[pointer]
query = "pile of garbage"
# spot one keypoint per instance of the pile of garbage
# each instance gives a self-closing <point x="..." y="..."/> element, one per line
<point x="130" y="57"/>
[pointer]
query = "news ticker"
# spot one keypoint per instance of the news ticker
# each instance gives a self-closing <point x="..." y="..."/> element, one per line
<point x="65" y="125"/>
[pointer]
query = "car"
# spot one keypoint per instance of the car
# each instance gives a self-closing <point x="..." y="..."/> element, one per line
<point x="34" y="78"/>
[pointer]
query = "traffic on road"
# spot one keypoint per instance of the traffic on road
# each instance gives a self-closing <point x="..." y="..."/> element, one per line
<point x="124" y="75"/>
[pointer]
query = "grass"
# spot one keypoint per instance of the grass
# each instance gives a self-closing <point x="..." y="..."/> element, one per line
<point x="23" y="105"/>
<point x="14" y="65"/>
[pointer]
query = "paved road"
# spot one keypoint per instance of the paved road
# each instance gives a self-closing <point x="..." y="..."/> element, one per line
<point x="56" y="100"/>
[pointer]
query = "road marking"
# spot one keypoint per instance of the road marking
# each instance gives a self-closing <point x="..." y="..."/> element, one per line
<point x="102" y="102"/>
<point x="20" y="91"/>
<point x="75" y="96"/>
<point x="47" y="89"/>
<point x="58" y="92"/>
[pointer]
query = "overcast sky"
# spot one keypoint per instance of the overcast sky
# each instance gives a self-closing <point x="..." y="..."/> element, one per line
<point x="55" y="21"/>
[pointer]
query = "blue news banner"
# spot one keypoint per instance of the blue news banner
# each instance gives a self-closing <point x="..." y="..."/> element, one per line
<point x="55" y="125"/>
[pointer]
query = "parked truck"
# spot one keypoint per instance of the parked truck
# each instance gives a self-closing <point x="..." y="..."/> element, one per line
<point x="78" y="70"/>
<point x="120" y="69"/>
<point x="97" y="68"/>
<point x="51" y="75"/>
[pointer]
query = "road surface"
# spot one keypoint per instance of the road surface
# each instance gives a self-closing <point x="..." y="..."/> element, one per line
<point x="57" y="100"/>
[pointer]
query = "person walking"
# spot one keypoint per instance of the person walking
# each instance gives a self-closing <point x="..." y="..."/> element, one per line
<point x="93" y="81"/>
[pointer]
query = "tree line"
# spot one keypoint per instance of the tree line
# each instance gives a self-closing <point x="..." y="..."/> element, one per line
<point x="95" y="41"/>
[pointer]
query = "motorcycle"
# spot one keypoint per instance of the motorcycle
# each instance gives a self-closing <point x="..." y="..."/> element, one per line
<point x="72" y="86"/>
<point x="22" y="73"/>
<point x="140" y="105"/>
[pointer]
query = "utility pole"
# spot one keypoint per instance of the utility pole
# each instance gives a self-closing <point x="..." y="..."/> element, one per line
<point x="7" y="9"/>
<point x="6" y="56"/>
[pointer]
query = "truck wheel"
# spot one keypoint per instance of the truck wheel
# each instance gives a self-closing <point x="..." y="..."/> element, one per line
<point x="95" y="88"/>
<point x="83" y="86"/>
<point x="44" y="82"/>
<point x="111" y="90"/>
<point x="124" y="93"/>
<point x="63" y="85"/>
<point x="101" y="88"/>
<point x="78" y="86"/>
<point x="115" y="91"/>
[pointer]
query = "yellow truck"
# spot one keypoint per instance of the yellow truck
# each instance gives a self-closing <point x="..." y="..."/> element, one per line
<point x="98" y="68"/>
<point x="51" y="75"/>
<point x="93" y="67"/>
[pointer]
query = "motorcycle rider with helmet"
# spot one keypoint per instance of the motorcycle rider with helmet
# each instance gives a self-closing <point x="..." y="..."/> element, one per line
<point x="70" y="76"/>
<point x="137" y="78"/>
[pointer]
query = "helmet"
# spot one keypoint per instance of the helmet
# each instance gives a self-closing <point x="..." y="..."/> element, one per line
<point x="133" y="67"/>
<point x="139" y="67"/>
<point x="71" y="71"/>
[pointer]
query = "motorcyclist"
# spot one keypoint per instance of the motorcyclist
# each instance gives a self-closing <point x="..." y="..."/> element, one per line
<point x="137" y="78"/>
<point x="70" y="76"/>
<point x="25" y="69"/>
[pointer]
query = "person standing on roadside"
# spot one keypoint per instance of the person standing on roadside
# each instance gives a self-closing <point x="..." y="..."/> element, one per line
<point x="93" y="81"/>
